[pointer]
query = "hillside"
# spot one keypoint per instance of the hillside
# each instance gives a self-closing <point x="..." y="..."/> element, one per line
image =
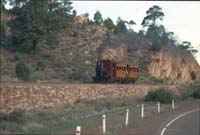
<point x="82" y="43"/>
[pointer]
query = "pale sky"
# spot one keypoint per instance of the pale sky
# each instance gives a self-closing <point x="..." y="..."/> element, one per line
<point x="183" y="18"/>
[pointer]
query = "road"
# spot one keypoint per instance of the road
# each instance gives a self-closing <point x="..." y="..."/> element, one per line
<point x="185" y="124"/>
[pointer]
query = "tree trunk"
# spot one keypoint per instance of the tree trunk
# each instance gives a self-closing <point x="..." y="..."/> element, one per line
<point x="34" y="45"/>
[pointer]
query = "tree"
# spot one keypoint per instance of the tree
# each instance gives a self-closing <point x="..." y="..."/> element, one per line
<point x="108" y="23"/>
<point x="155" y="31"/>
<point x="86" y="15"/>
<point x="120" y="27"/>
<point x="37" y="19"/>
<point x="74" y="12"/>
<point x="3" y="2"/>
<point x="186" y="45"/>
<point x="98" y="18"/>
<point x="130" y="24"/>
<point x="153" y="14"/>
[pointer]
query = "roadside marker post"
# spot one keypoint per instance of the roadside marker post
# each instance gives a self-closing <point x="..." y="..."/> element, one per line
<point x="104" y="124"/>
<point x="127" y="114"/>
<point x="158" y="107"/>
<point x="172" y="103"/>
<point x="78" y="130"/>
<point x="142" y="111"/>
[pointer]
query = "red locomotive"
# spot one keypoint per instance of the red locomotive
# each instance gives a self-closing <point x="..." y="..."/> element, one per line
<point x="107" y="71"/>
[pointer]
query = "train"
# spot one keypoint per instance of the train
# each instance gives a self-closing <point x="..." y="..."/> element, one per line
<point x="110" y="72"/>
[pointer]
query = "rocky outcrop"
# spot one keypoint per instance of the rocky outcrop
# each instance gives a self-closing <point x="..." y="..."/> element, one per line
<point x="114" y="54"/>
<point x="174" y="63"/>
<point x="82" y="43"/>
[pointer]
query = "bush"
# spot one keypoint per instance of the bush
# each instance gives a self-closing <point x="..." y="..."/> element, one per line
<point x="3" y="116"/>
<point x="22" y="70"/>
<point x="156" y="47"/>
<point x="17" y="115"/>
<point x="188" y="91"/>
<point x="162" y="95"/>
<point x="196" y="93"/>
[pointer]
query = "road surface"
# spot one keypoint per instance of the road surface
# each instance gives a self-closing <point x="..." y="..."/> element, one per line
<point x="185" y="124"/>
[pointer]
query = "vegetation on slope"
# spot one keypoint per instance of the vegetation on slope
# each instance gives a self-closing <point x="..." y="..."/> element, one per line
<point x="59" y="46"/>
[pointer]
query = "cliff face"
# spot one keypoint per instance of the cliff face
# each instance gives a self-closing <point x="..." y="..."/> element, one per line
<point x="175" y="64"/>
<point x="82" y="43"/>
<point x="114" y="54"/>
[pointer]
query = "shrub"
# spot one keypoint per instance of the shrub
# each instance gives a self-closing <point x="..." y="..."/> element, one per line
<point x="16" y="58"/>
<point x="17" y="115"/>
<point x="162" y="95"/>
<point x="188" y="91"/>
<point x="3" y="116"/>
<point x="155" y="47"/>
<point x="196" y="93"/>
<point x="22" y="70"/>
<point x="156" y="80"/>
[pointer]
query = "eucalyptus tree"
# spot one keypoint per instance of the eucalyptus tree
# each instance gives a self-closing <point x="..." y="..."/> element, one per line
<point x="108" y="23"/>
<point x="36" y="20"/>
<point x="98" y="18"/>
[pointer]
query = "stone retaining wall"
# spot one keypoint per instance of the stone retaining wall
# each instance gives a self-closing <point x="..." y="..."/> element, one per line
<point x="34" y="95"/>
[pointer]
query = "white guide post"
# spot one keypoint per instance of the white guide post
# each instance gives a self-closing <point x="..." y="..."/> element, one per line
<point x="104" y="123"/>
<point x="172" y="103"/>
<point x="127" y="113"/>
<point x="78" y="130"/>
<point x="159" y="107"/>
<point x="142" y="111"/>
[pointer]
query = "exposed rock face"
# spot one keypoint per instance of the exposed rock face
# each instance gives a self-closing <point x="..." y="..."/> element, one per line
<point x="114" y="54"/>
<point x="80" y="20"/>
<point x="175" y="64"/>
<point x="81" y="44"/>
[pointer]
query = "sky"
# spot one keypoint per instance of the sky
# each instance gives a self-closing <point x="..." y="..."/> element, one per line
<point x="181" y="17"/>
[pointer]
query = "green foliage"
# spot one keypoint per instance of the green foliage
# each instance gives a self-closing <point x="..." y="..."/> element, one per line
<point x="162" y="95"/>
<point x="17" y="56"/>
<point x="41" y="64"/>
<point x="3" y="116"/>
<point x="86" y="15"/>
<point x="35" y="19"/>
<point x="196" y="94"/>
<point x="108" y="23"/>
<point x="3" y="3"/>
<point x="17" y="115"/>
<point x="22" y="70"/>
<point x="52" y="40"/>
<point x="120" y="27"/>
<point x="188" y="47"/>
<point x="153" y="14"/>
<point x="156" y="45"/>
<point x="188" y="91"/>
<point x="74" y="12"/>
<point x="196" y="91"/>
<point x="98" y="18"/>
<point x="3" y="30"/>
<point x="156" y="80"/>
<point x="130" y="24"/>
